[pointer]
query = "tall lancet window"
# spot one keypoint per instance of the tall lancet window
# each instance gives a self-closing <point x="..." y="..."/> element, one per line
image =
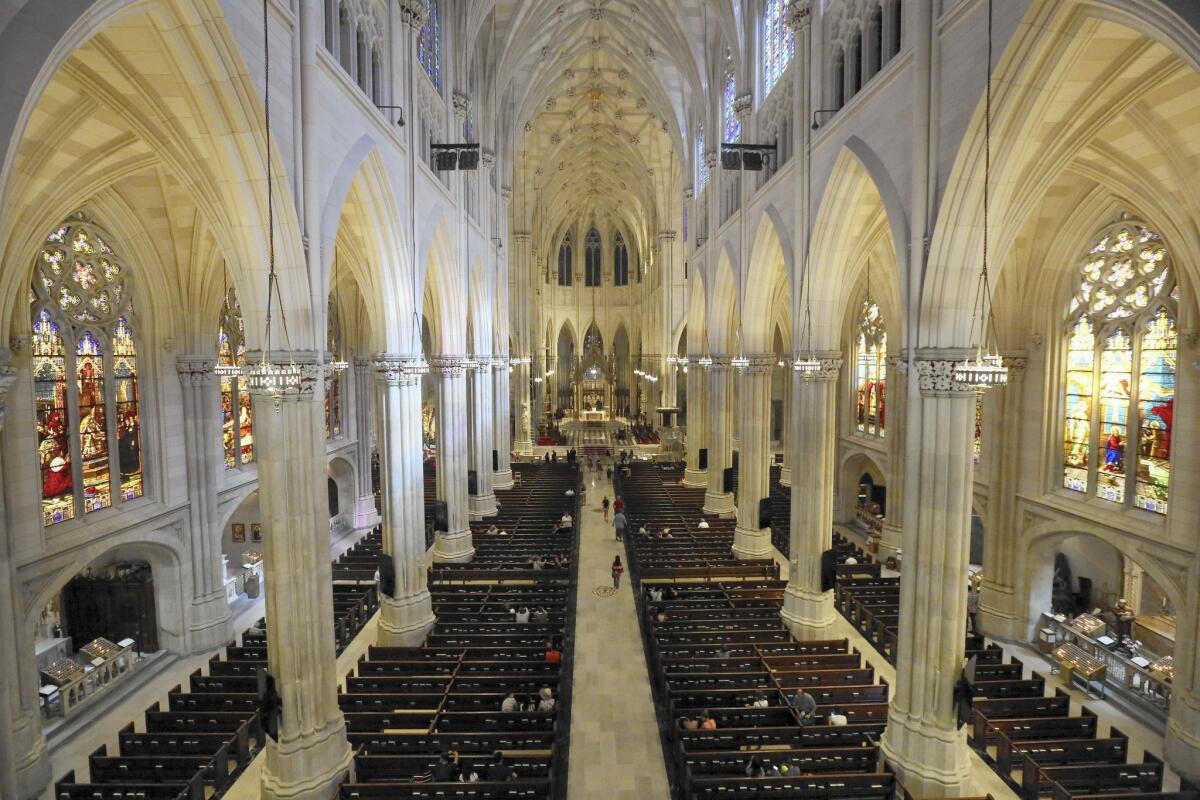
<point x="778" y="43"/>
<point x="333" y="392"/>
<point x="565" y="264"/>
<point x="591" y="246"/>
<point x="620" y="261"/>
<point x="85" y="378"/>
<point x="237" y="415"/>
<point x="870" y="370"/>
<point x="733" y="125"/>
<point x="1119" y="385"/>
<point x="429" y="43"/>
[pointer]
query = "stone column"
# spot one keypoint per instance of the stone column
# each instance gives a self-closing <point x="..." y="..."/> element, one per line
<point x="697" y="424"/>
<point x="785" y="471"/>
<point x="311" y="756"/>
<point x="209" y="617"/>
<point x="523" y="402"/>
<point x="365" y="513"/>
<point x="480" y="407"/>
<point x="406" y="616"/>
<point x="807" y="610"/>
<point x="895" y="405"/>
<point x="502" y="478"/>
<point x="720" y="437"/>
<point x="24" y="759"/>
<point x="454" y="544"/>
<point x="754" y="460"/>
<point x="923" y="741"/>
<point x="1001" y="613"/>
<point x="1182" y="744"/>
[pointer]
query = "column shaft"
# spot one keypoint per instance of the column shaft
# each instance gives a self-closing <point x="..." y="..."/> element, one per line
<point x="754" y="459"/>
<point x="208" y="617"/>
<point x="480" y="407"/>
<point x="523" y="404"/>
<point x="785" y="472"/>
<point x="895" y="406"/>
<point x="454" y="544"/>
<point x="697" y="424"/>
<point x="807" y="610"/>
<point x="311" y="755"/>
<point x="720" y="438"/>
<point x="502" y="423"/>
<point x="365" y="513"/>
<point x="1183" y="717"/>
<point x="923" y="741"/>
<point x="407" y="615"/>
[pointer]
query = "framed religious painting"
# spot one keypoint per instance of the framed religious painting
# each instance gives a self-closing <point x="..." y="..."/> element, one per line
<point x="239" y="531"/>
<point x="256" y="531"/>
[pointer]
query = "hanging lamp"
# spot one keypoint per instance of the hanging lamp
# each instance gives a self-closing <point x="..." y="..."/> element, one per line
<point x="335" y="364"/>
<point x="806" y="363"/>
<point x="986" y="370"/>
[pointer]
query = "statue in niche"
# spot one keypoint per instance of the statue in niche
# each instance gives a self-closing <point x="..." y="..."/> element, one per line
<point x="1062" y="600"/>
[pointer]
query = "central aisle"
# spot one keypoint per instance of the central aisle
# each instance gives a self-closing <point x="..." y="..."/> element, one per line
<point x="615" y="748"/>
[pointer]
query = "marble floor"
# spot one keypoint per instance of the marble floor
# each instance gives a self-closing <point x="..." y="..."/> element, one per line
<point x="615" y="748"/>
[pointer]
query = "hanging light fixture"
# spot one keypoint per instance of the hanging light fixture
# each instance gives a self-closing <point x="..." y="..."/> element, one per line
<point x="986" y="370"/>
<point x="266" y="376"/>
<point x="806" y="363"/>
<point x="335" y="364"/>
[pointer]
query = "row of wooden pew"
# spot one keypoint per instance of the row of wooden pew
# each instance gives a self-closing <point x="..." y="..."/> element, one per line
<point x="195" y="747"/>
<point x="407" y="707"/>
<point x="717" y="649"/>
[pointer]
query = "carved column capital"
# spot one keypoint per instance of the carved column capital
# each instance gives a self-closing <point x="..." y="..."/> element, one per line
<point x="450" y="365"/>
<point x="414" y="12"/>
<point x="506" y="193"/>
<point x="936" y="377"/>
<point x="461" y="103"/>
<point x="829" y="366"/>
<point x="195" y="370"/>
<point x="289" y="375"/>
<point x="759" y="363"/>
<point x="667" y="236"/>
<point x="689" y="192"/>
<point x="398" y="370"/>
<point x="8" y="374"/>
<point x="799" y="16"/>
<point x="710" y="159"/>
<point x="742" y="104"/>
<point x="487" y="158"/>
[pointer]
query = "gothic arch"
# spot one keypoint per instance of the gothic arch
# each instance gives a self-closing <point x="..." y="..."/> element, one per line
<point x="766" y="288"/>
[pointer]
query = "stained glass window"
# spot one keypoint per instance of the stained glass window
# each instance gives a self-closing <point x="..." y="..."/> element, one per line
<point x="778" y="43"/>
<point x="79" y="295"/>
<point x="49" y="368"/>
<point x="237" y="415"/>
<point x="564" y="261"/>
<point x="333" y="392"/>
<point x="1121" y="358"/>
<point x="733" y="125"/>
<point x="871" y="370"/>
<point x="429" y="44"/>
<point x="129" y="425"/>
<point x="620" y="261"/>
<point x="701" y="164"/>
<point x="591" y="264"/>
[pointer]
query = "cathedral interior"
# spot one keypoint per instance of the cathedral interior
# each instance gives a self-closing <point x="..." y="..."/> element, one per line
<point x="648" y="399"/>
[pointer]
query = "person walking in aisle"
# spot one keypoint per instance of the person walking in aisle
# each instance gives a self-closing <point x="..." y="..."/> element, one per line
<point x="619" y="524"/>
<point x="617" y="569"/>
<point x="604" y="506"/>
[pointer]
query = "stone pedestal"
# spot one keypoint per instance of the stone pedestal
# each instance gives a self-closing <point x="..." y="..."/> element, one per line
<point x="754" y="460"/>
<point x="479" y="437"/>
<point x="454" y="544"/>
<point x="923" y="741"/>
<point x="406" y="616"/>
<point x="697" y="425"/>
<point x="311" y="756"/>
<point x="807" y="611"/>
<point x="208" y="617"/>
<point x="365" y="513"/>
<point x="720" y="437"/>
<point x="502" y="478"/>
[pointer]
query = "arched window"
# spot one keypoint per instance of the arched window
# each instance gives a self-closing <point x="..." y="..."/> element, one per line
<point x="1122" y="342"/>
<point x="330" y="24"/>
<point x="237" y="415"/>
<point x="778" y="43"/>
<point x="591" y="264"/>
<point x="897" y="10"/>
<point x="875" y="59"/>
<point x="364" y="71"/>
<point x="837" y="97"/>
<point x="333" y="392"/>
<point x="376" y="77"/>
<point x="870" y="375"/>
<point x="732" y="125"/>
<point x="81" y="310"/>
<point x="345" y="41"/>
<point x="620" y="261"/>
<point x="429" y="43"/>
<point x="565" y="264"/>
<point x="854" y="64"/>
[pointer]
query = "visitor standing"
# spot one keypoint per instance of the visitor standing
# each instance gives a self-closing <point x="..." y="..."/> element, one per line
<point x="973" y="608"/>
<point x="604" y="506"/>
<point x="617" y="569"/>
<point x="619" y="524"/>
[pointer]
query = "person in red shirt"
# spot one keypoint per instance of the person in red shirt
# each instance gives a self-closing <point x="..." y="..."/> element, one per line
<point x="553" y="656"/>
<point x="618" y="506"/>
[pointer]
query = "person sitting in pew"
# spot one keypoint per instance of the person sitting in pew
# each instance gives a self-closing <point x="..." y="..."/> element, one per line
<point x="539" y="615"/>
<point x="707" y="723"/>
<point x="509" y="704"/>
<point x="553" y="654"/>
<point x="689" y="724"/>
<point x="836" y="718"/>
<point x="655" y="594"/>
<point x="723" y="652"/>
<point x="665" y="533"/>
<point x="851" y="561"/>
<point x="498" y="770"/>
<point x="760" y="701"/>
<point x="566" y="522"/>
<point x="446" y="770"/>
<point x="546" y="701"/>
<point x="804" y="705"/>
<point x="754" y="768"/>
<point x="660" y="616"/>
<point x="492" y="530"/>
<point x="521" y="615"/>
<point x="702" y="524"/>
<point x="538" y="562"/>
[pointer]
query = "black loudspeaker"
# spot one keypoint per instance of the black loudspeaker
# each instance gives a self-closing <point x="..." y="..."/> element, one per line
<point x="727" y="480"/>
<point x="764" y="513"/>
<point x="703" y="458"/>
<point x="387" y="575"/>
<point x="495" y="461"/>
<point x="441" y="516"/>
<point x="472" y="482"/>
<point x="828" y="570"/>
<point x="269" y="704"/>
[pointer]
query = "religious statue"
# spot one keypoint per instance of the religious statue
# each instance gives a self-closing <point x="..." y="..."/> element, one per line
<point x="1114" y="451"/>
<point x="1125" y="617"/>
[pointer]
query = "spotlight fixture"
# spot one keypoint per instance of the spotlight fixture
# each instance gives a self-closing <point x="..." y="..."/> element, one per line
<point x="745" y="157"/>
<point x="731" y="159"/>
<point x="461" y="156"/>
<point x="816" y="124"/>
<point x="399" y="122"/>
